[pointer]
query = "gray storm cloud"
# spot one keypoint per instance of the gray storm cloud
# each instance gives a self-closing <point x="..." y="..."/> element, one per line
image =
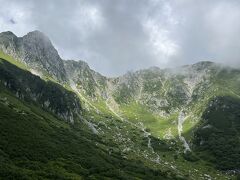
<point x="117" y="36"/>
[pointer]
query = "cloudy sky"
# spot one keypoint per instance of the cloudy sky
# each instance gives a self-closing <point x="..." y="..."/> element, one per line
<point x="115" y="36"/>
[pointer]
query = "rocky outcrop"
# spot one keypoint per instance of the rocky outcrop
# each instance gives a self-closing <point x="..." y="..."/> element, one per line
<point x="87" y="81"/>
<point x="36" y="51"/>
<point x="48" y="95"/>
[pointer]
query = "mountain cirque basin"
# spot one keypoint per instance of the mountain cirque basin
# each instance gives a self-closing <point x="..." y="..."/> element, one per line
<point x="59" y="119"/>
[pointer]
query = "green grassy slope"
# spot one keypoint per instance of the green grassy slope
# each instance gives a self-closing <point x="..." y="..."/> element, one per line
<point x="219" y="133"/>
<point x="12" y="60"/>
<point x="36" y="145"/>
<point x="156" y="124"/>
<point x="47" y="94"/>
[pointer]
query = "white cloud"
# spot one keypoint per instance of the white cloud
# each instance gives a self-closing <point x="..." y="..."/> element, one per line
<point x="86" y="19"/>
<point x="160" y="42"/>
<point x="116" y="36"/>
<point x="160" y="26"/>
<point x="224" y="24"/>
<point x="15" y="17"/>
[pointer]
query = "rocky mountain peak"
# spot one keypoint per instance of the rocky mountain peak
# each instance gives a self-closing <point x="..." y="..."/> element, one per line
<point x="8" y="39"/>
<point x="39" y="44"/>
<point x="36" y="33"/>
<point x="36" y="51"/>
<point x="38" y="38"/>
<point x="7" y="33"/>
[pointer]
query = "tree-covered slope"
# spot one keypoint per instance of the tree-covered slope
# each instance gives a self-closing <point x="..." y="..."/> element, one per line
<point x="218" y="137"/>
<point x="36" y="145"/>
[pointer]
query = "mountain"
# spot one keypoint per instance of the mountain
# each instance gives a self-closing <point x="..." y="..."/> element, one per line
<point x="35" y="50"/>
<point x="179" y="123"/>
<point x="85" y="79"/>
<point x="39" y="141"/>
<point x="48" y="95"/>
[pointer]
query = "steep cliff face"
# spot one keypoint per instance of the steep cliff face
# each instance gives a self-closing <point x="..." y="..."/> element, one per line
<point x="87" y="81"/>
<point x="32" y="89"/>
<point x="36" y="51"/>
<point x="9" y="43"/>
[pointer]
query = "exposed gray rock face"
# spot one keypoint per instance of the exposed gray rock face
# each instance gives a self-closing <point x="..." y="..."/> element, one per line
<point x="47" y="94"/>
<point x="9" y="43"/>
<point x="86" y="80"/>
<point x="161" y="90"/>
<point x="35" y="50"/>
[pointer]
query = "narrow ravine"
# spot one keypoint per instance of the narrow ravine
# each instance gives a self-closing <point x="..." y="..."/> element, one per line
<point x="181" y="119"/>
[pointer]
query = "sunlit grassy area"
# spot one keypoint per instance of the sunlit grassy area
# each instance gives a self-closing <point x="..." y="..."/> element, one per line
<point x="157" y="125"/>
<point x="13" y="61"/>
